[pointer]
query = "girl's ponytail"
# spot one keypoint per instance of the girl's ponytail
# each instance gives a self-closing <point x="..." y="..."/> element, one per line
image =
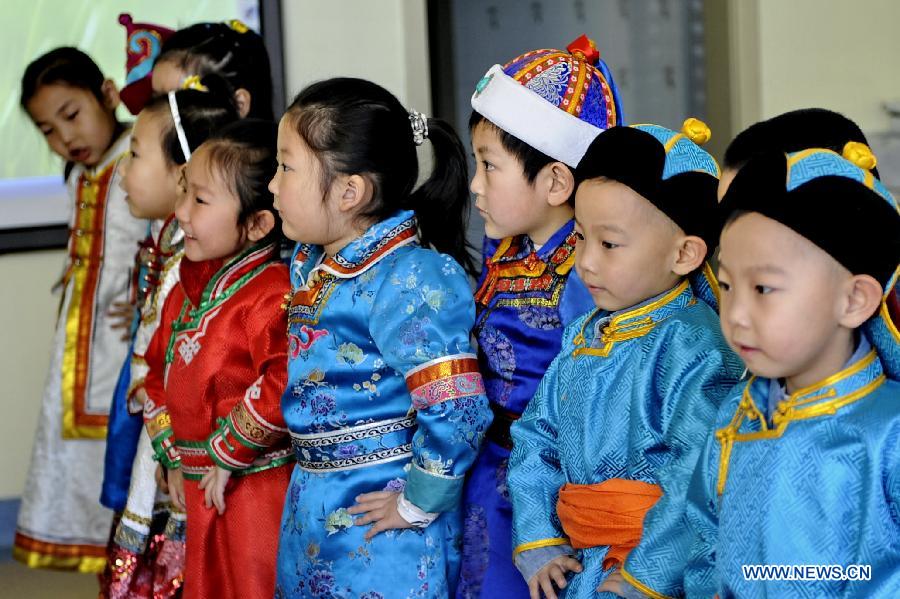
<point x="354" y="126"/>
<point x="441" y="203"/>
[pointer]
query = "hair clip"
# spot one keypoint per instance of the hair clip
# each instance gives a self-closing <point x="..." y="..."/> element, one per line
<point x="696" y="130"/>
<point x="419" y="124"/>
<point x="237" y="25"/>
<point x="859" y="154"/>
<point x="193" y="82"/>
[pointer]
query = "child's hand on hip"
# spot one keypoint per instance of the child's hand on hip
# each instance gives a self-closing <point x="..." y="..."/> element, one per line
<point x="553" y="572"/>
<point x="213" y="482"/>
<point x="381" y="508"/>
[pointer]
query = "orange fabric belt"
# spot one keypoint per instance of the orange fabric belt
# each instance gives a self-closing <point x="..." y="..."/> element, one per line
<point x="608" y="513"/>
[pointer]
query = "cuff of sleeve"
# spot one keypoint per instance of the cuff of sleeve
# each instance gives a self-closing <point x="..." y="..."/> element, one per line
<point x="530" y="561"/>
<point x="412" y="514"/>
<point x="226" y="450"/>
<point x="433" y="492"/>
<point x="164" y="450"/>
<point x="643" y="590"/>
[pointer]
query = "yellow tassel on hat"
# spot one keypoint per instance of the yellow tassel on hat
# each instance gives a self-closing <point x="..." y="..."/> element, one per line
<point x="696" y="130"/>
<point x="859" y="154"/>
<point x="238" y="25"/>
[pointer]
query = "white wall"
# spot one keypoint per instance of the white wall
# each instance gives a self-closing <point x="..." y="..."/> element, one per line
<point x="27" y="320"/>
<point x="385" y="41"/>
<point x="829" y="53"/>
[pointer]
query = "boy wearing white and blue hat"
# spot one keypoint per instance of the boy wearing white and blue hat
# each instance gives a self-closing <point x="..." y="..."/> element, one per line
<point x="532" y="120"/>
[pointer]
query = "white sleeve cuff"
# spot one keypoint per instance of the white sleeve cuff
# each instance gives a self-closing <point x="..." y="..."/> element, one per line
<point x="412" y="514"/>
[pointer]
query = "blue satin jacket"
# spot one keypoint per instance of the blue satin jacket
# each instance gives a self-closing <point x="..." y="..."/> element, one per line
<point x="632" y="395"/>
<point x="814" y="482"/>
<point x="383" y="394"/>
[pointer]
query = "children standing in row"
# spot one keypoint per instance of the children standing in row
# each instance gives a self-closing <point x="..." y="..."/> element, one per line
<point x="384" y="400"/>
<point x="385" y="404"/>
<point x="61" y="523"/>
<point x="611" y="434"/>
<point x="526" y="147"/>
<point x="217" y="367"/>
<point x="141" y="562"/>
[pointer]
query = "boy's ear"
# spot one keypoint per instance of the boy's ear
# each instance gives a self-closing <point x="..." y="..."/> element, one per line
<point x="690" y="255"/>
<point x="353" y="192"/>
<point x="242" y="100"/>
<point x="863" y="298"/>
<point x="561" y="183"/>
<point x="260" y="224"/>
<point x="110" y="94"/>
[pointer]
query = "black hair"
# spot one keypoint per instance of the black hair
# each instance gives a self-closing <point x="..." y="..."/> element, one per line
<point x="531" y="160"/>
<point x="794" y="131"/>
<point x="240" y="57"/>
<point x="242" y="154"/>
<point x="65" y="65"/>
<point x="355" y="126"/>
<point x="202" y="113"/>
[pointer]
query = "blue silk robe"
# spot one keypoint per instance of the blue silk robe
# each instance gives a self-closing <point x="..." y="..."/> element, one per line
<point x="631" y="395"/>
<point x="524" y="300"/>
<point x="383" y="393"/>
<point x="816" y="481"/>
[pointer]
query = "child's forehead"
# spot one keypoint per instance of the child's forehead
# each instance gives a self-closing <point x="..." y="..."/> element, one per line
<point x="52" y="97"/>
<point x="486" y="137"/>
<point x="754" y="238"/>
<point x="607" y="198"/>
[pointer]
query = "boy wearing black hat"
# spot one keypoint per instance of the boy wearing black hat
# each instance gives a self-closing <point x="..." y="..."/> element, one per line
<point x="616" y="426"/>
<point x="797" y="492"/>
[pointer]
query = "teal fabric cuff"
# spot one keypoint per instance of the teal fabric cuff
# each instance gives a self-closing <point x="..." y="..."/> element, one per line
<point x="433" y="492"/>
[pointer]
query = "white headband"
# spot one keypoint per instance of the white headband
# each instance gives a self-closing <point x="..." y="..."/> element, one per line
<point x="182" y="138"/>
<point x="524" y="114"/>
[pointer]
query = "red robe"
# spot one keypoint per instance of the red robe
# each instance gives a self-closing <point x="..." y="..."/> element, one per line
<point x="222" y="352"/>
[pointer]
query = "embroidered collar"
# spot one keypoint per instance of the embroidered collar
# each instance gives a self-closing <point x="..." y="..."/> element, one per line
<point x="170" y="237"/>
<point x="631" y="323"/>
<point x="520" y="247"/>
<point x="207" y="282"/>
<point x="824" y="398"/>
<point x="517" y="266"/>
<point x="359" y="255"/>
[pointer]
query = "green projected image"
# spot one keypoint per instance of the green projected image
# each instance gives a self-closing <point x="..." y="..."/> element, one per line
<point x="36" y="26"/>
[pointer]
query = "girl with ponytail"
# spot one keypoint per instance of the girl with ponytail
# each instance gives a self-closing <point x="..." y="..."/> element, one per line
<point x="384" y="401"/>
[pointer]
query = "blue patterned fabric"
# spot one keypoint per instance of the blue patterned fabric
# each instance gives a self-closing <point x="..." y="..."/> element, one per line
<point x="816" y="481"/>
<point x="808" y="165"/>
<point x="383" y="394"/>
<point x="519" y="333"/>
<point x="570" y="83"/>
<point x="628" y="397"/>
<point x="684" y="156"/>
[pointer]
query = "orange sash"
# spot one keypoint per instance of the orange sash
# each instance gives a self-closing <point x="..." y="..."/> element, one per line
<point x="608" y="513"/>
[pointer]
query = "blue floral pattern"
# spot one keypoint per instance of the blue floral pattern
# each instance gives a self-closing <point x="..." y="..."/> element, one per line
<point x="394" y="312"/>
